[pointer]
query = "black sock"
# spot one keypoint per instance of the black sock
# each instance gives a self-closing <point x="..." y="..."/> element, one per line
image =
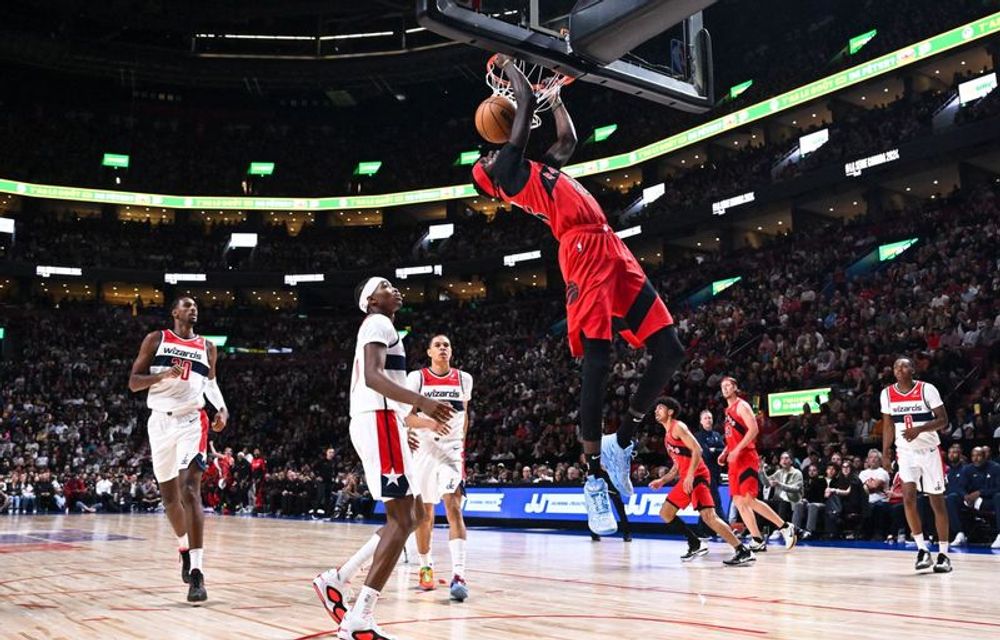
<point x="679" y="526"/>
<point x="758" y="540"/>
<point x="628" y="428"/>
<point x="594" y="465"/>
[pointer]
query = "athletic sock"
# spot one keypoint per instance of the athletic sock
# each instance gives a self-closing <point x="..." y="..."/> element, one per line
<point x="365" y="604"/>
<point x="943" y="547"/>
<point x="457" y="547"/>
<point x="919" y="539"/>
<point x="196" y="555"/>
<point x="426" y="560"/>
<point x="363" y="555"/>
<point x="758" y="540"/>
<point x="182" y="542"/>
<point x="594" y="465"/>
<point x="628" y="428"/>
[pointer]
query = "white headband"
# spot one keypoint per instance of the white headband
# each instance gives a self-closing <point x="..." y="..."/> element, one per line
<point x="367" y="291"/>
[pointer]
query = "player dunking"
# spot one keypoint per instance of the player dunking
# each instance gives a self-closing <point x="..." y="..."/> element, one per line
<point x="440" y="462"/>
<point x="694" y="487"/>
<point x="740" y="454"/>
<point x="178" y="368"/>
<point x="912" y="415"/>
<point x="606" y="289"/>
<point x="380" y="403"/>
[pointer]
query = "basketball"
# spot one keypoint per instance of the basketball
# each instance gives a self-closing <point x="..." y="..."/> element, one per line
<point x="494" y="118"/>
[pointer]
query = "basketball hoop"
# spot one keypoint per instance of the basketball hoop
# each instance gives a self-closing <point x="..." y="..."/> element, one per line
<point x="544" y="82"/>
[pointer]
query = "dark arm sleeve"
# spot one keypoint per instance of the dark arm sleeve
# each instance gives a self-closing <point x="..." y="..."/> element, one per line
<point x="510" y="170"/>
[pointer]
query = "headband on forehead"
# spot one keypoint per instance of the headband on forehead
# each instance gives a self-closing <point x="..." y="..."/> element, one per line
<point x="367" y="291"/>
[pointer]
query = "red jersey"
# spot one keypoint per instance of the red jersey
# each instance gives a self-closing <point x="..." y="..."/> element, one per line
<point x="556" y="199"/>
<point x="681" y="455"/>
<point x="735" y="428"/>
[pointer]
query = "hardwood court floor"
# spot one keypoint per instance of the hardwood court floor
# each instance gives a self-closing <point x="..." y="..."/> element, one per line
<point x="110" y="576"/>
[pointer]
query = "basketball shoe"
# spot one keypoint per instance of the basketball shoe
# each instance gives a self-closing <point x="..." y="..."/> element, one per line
<point x="459" y="590"/>
<point x="333" y="593"/>
<point x="924" y="560"/>
<point x="943" y="564"/>
<point x="599" y="518"/>
<point x="742" y="556"/>
<point x="359" y="628"/>
<point x="789" y="535"/>
<point x="427" y="578"/>
<point x="696" y="552"/>
<point x="196" y="587"/>
<point x="618" y="463"/>
<point x="185" y="558"/>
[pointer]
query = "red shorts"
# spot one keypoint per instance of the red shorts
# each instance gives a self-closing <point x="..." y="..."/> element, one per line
<point x="744" y="474"/>
<point x="699" y="498"/>
<point x="605" y="284"/>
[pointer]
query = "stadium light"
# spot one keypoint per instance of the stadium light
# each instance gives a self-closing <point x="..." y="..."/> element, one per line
<point x="218" y="341"/>
<point x="719" y="208"/>
<point x="405" y="272"/>
<point x="115" y="160"/>
<point x="242" y="241"/>
<point x="7" y="225"/>
<point x="856" y="43"/>
<point x="468" y="157"/>
<point x="811" y="142"/>
<point x="630" y="232"/>
<point x="603" y="133"/>
<point x="890" y="251"/>
<point x="736" y="90"/>
<point x="514" y="258"/>
<point x="977" y="88"/>
<point x="368" y="168"/>
<point x="721" y="285"/>
<point x="174" y="278"/>
<point x="46" y="271"/>
<point x="293" y="279"/>
<point x="790" y="403"/>
<point x="260" y="169"/>
<point x="440" y="231"/>
<point x="855" y="168"/>
<point x="653" y="193"/>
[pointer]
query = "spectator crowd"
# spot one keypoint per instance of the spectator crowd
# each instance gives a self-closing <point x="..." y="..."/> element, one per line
<point x="72" y="438"/>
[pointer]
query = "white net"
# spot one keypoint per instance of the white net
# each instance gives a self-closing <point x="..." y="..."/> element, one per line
<point x="545" y="83"/>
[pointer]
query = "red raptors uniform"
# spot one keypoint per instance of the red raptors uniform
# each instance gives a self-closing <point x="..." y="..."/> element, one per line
<point x="701" y="494"/>
<point x="744" y="470"/>
<point x="603" y="279"/>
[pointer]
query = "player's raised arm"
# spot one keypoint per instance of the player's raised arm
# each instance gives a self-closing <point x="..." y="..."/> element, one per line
<point x="562" y="149"/>
<point x="525" y="98"/>
<point x="141" y="378"/>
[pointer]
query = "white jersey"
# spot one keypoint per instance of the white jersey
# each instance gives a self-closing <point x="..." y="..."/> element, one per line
<point x="377" y="328"/>
<point x="185" y="393"/>
<point x="915" y="409"/>
<point x="454" y="387"/>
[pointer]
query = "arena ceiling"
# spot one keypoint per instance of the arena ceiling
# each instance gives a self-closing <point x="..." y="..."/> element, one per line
<point x="258" y="46"/>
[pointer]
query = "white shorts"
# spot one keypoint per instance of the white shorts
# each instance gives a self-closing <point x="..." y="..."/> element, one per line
<point x="439" y="468"/>
<point x="379" y="437"/>
<point x="175" y="441"/>
<point x="924" y="467"/>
